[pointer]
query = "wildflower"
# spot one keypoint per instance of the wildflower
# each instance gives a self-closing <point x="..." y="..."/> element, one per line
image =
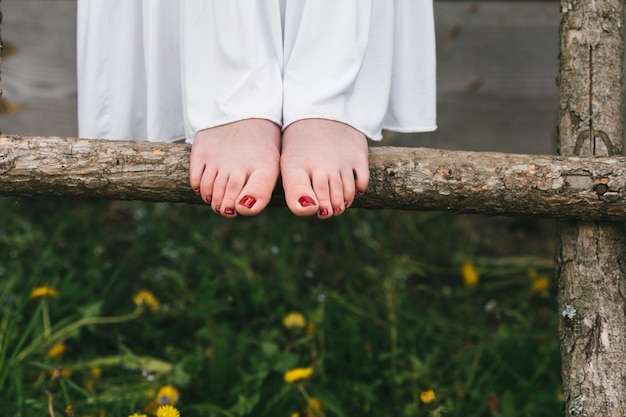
<point x="167" y="411"/>
<point x="295" y="414"/>
<point x="44" y="291"/>
<point x="294" y="321"/>
<point x="314" y="408"/>
<point x="469" y="274"/>
<point x="146" y="298"/>
<point x="56" y="351"/>
<point x="297" y="374"/>
<point x="428" y="396"/>
<point x="96" y="371"/>
<point x="137" y="415"/>
<point x="168" y="395"/>
<point x="540" y="285"/>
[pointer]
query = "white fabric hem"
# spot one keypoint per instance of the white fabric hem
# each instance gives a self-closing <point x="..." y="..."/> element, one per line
<point x="231" y="119"/>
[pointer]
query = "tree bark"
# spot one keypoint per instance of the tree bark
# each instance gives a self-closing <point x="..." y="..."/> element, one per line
<point x="592" y="283"/>
<point x="401" y="178"/>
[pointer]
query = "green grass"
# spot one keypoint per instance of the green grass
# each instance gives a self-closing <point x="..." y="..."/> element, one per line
<point x="392" y="316"/>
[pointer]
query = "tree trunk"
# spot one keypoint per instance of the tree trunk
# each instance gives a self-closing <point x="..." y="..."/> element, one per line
<point x="592" y="282"/>
<point x="401" y="178"/>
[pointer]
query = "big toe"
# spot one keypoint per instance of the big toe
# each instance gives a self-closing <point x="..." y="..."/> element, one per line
<point x="299" y="194"/>
<point x="257" y="193"/>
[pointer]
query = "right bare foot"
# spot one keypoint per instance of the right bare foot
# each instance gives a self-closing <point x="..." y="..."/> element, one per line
<point x="235" y="166"/>
<point x="324" y="165"/>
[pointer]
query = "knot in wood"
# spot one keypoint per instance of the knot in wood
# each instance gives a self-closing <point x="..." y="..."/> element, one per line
<point x="601" y="189"/>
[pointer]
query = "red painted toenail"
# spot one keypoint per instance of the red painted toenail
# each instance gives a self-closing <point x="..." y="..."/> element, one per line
<point x="196" y="190"/>
<point x="336" y="210"/>
<point x="323" y="212"/>
<point x="229" y="211"/>
<point x="248" y="201"/>
<point x="208" y="199"/>
<point x="306" y="201"/>
<point x="359" y="193"/>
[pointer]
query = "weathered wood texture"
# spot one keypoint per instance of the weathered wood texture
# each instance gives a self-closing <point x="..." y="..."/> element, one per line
<point x="592" y="283"/>
<point x="401" y="178"/>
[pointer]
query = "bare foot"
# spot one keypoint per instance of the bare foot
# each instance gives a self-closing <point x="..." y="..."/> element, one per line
<point x="235" y="166"/>
<point x="323" y="164"/>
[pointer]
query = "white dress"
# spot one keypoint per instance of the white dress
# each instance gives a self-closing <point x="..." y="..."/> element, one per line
<point x="162" y="70"/>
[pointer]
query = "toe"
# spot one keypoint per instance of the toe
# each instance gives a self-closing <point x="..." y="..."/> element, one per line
<point x="256" y="194"/>
<point x="299" y="194"/>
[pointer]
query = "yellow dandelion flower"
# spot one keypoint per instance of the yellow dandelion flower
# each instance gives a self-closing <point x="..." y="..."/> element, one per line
<point x="295" y="414"/>
<point x="137" y="415"/>
<point x="167" y="411"/>
<point x="428" y="396"/>
<point x="44" y="291"/>
<point x="469" y="274"/>
<point x="314" y="408"/>
<point x="167" y="395"/>
<point x="95" y="372"/>
<point x="294" y="321"/>
<point x="297" y="374"/>
<point x="146" y="298"/>
<point x="540" y="285"/>
<point x="56" y="351"/>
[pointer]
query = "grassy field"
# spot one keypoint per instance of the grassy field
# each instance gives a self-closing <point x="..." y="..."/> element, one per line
<point x="114" y="308"/>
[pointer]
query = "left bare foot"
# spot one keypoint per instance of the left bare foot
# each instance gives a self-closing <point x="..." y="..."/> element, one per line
<point x="323" y="164"/>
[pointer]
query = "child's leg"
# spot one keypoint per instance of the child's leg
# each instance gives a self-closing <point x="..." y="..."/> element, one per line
<point x="352" y="67"/>
<point x="232" y="83"/>
<point x="324" y="158"/>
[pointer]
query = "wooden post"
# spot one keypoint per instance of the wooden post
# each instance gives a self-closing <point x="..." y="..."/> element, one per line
<point x="591" y="261"/>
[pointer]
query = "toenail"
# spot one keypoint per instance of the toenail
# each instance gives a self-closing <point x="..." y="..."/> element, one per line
<point x="323" y="212"/>
<point x="248" y="201"/>
<point x="208" y="199"/>
<point x="359" y="193"/>
<point x="229" y="211"/>
<point x="336" y="210"/>
<point x="306" y="201"/>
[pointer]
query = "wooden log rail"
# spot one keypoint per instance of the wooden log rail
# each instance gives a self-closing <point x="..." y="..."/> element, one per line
<point x="589" y="188"/>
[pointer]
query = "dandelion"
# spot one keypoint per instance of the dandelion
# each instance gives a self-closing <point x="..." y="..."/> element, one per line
<point x="56" y="351"/>
<point x="168" y="395"/>
<point x="295" y="414"/>
<point x="44" y="291"/>
<point x="469" y="274"/>
<point x="428" y="396"/>
<point x="95" y="372"/>
<point x="297" y="374"/>
<point x="314" y="407"/>
<point x="167" y="411"/>
<point x="294" y="321"/>
<point x="137" y="415"/>
<point x="146" y="298"/>
<point x="540" y="285"/>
